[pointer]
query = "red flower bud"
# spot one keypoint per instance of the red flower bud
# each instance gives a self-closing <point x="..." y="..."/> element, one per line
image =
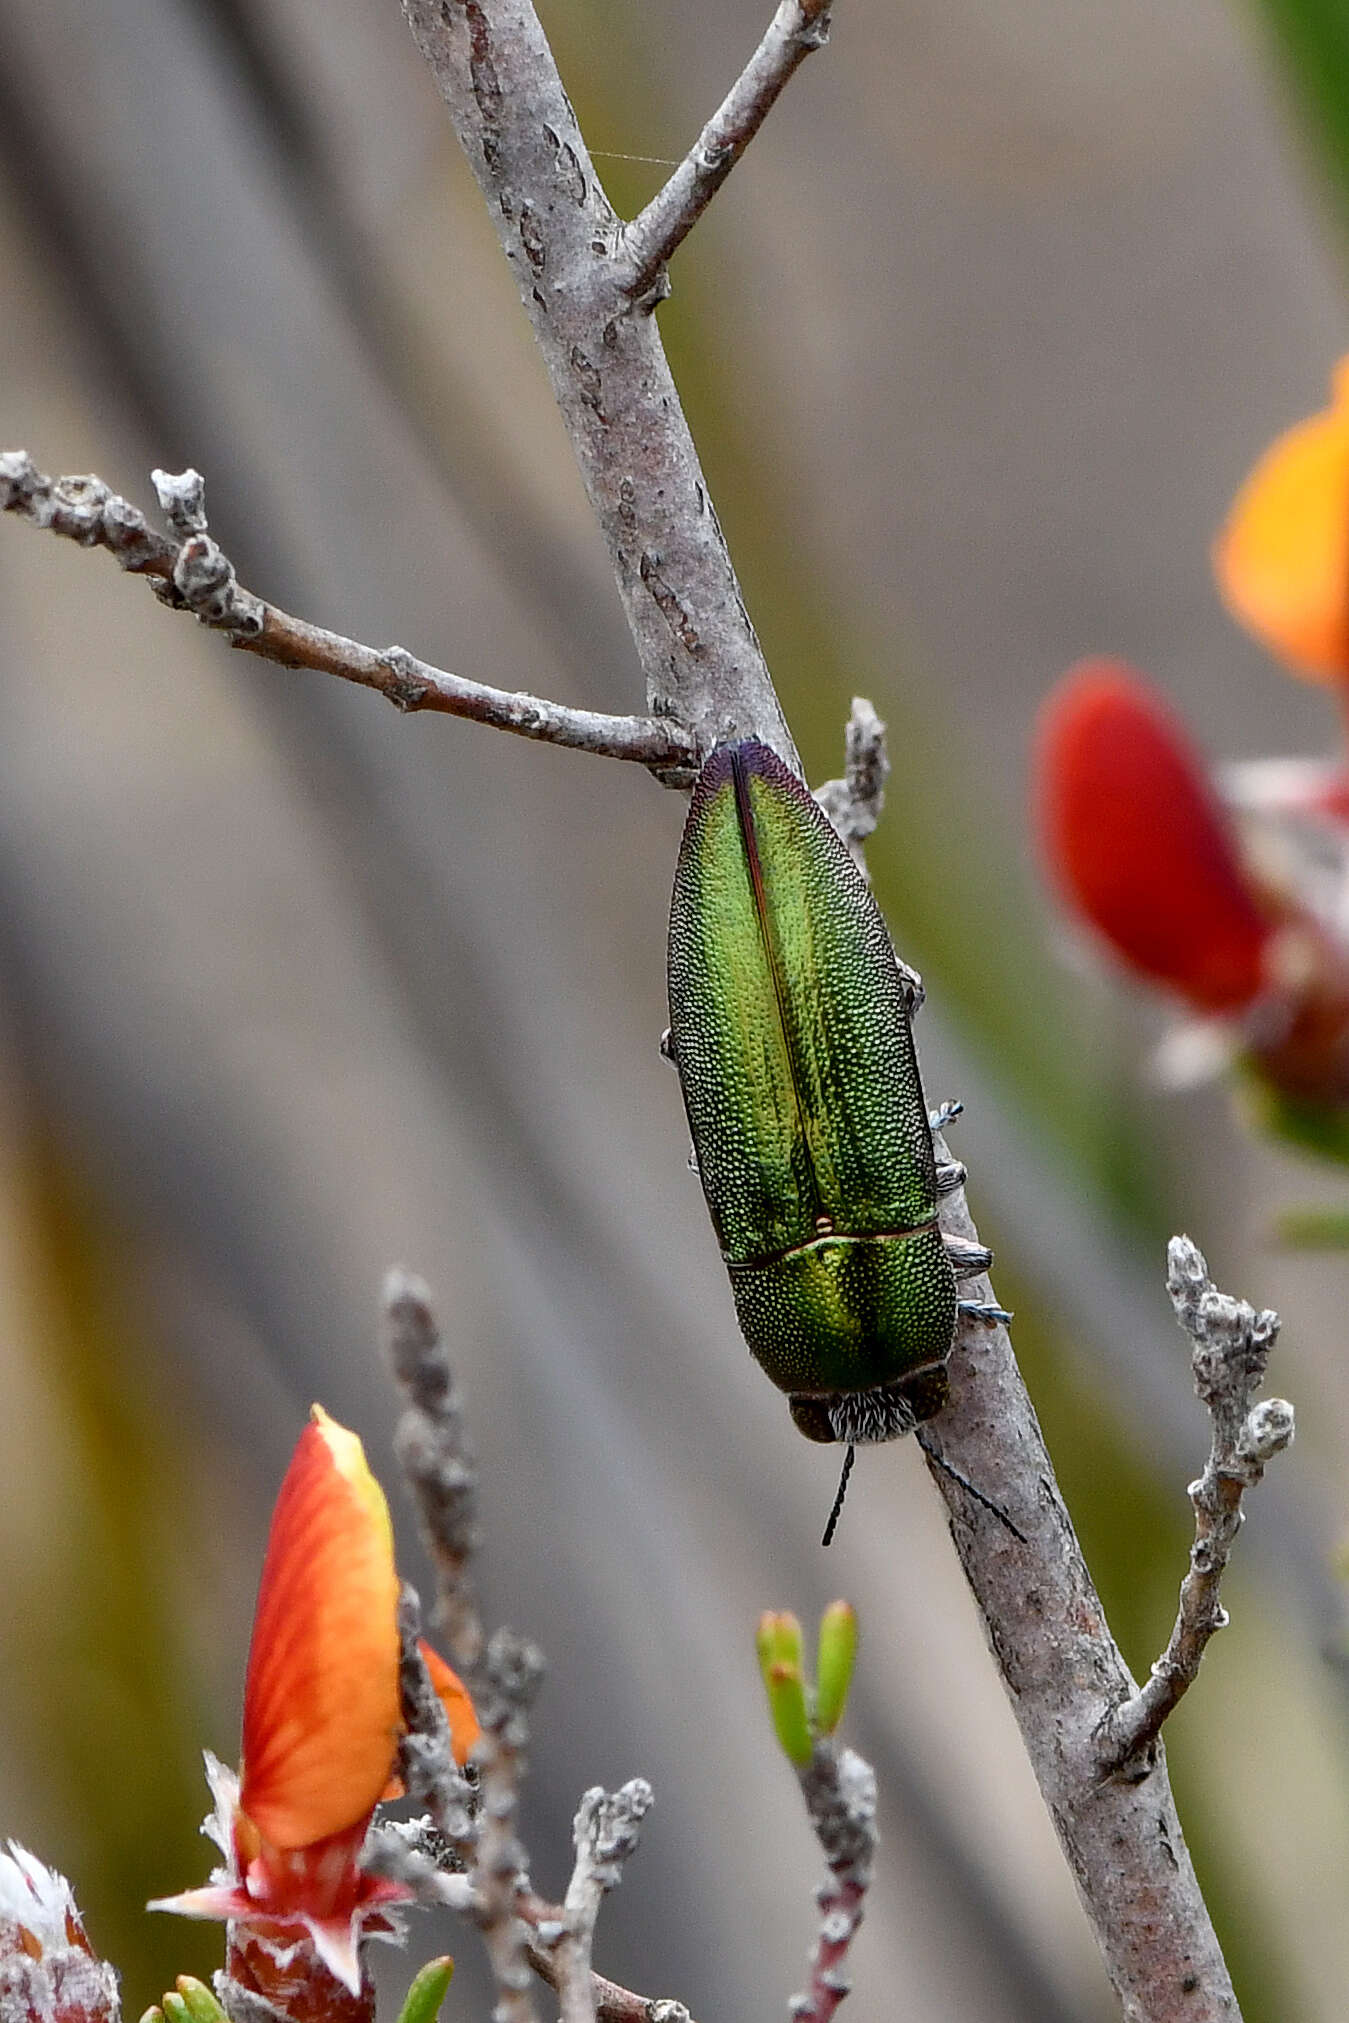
<point x="1138" y="844"/>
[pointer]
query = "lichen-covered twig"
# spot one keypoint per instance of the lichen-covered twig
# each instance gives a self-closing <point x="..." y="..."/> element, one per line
<point x="1231" y="1345"/>
<point x="507" y="1681"/>
<point x="854" y="804"/>
<point x="430" y="1774"/>
<point x="521" y="1929"/>
<point x="605" y="1833"/>
<point x="434" y="1454"/>
<point x="613" y="2004"/>
<point x="192" y="573"/>
<point x="652" y="238"/>
<point x="840" y="1793"/>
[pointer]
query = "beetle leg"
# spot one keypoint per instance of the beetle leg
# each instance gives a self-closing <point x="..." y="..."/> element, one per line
<point x="912" y="986"/>
<point x="982" y="1310"/>
<point x="693" y="1160"/>
<point x="944" y="1114"/>
<point x="667" y="1050"/>
<point x="967" y="1259"/>
<point x="950" y="1175"/>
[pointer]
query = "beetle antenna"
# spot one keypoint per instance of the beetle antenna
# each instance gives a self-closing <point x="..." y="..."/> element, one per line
<point x="941" y="1462"/>
<point x="837" y="1510"/>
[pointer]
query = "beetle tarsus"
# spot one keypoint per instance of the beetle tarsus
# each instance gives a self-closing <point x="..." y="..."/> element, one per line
<point x="667" y="1050"/>
<point x="912" y="985"/>
<point x="944" y="1114"/>
<point x="950" y="1175"/>
<point x="967" y="1259"/>
<point x="982" y="1310"/>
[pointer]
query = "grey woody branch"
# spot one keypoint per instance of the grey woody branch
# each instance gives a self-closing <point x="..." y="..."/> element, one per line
<point x="1230" y="1349"/>
<point x="840" y="1793"/>
<point x="190" y="572"/>
<point x="657" y="232"/>
<point x="700" y="657"/>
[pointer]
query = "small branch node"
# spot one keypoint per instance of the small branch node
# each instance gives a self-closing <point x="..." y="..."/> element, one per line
<point x="204" y="578"/>
<point x="1269" y="1428"/>
<point x="408" y="686"/>
<point x="182" y="500"/>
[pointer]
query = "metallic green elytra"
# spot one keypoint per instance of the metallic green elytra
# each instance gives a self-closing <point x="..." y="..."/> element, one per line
<point x="789" y="1026"/>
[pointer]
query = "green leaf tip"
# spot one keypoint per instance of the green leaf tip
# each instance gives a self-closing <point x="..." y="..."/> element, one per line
<point x="189" y="2001"/>
<point x="422" y="2002"/>
<point x="197" y="2000"/>
<point x="780" y="1647"/>
<point x="834" y="1666"/>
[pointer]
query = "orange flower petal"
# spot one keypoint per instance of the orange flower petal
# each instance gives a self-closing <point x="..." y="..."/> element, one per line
<point x="1137" y="842"/>
<point x="321" y="1707"/>
<point x="1282" y="559"/>
<point x="459" y="1711"/>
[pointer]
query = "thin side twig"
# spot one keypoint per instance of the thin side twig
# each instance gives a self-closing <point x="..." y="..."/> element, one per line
<point x="510" y="1676"/>
<point x="798" y="27"/>
<point x="430" y="1774"/>
<point x="605" y="1833"/>
<point x="434" y="1453"/>
<point x="855" y="803"/>
<point x="521" y="1929"/>
<point x="613" y="2003"/>
<point x="840" y="1793"/>
<point x="1231" y="1343"/>
<point x="192" y="573"/>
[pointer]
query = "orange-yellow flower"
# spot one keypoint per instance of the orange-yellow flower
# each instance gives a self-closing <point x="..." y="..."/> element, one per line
<point x="321" y="1704"/>
<point x="321" y="1714"/>
<point x="1282" y="559"/>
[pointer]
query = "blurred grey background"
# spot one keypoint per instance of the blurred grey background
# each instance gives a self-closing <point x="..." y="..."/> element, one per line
<point x="977" y="343"/>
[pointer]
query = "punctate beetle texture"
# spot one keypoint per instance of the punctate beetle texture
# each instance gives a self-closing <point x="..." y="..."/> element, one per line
<point x="790" y="1030"/>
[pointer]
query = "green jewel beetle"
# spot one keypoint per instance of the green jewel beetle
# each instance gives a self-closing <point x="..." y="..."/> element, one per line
<point x="790" y="1030"/>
